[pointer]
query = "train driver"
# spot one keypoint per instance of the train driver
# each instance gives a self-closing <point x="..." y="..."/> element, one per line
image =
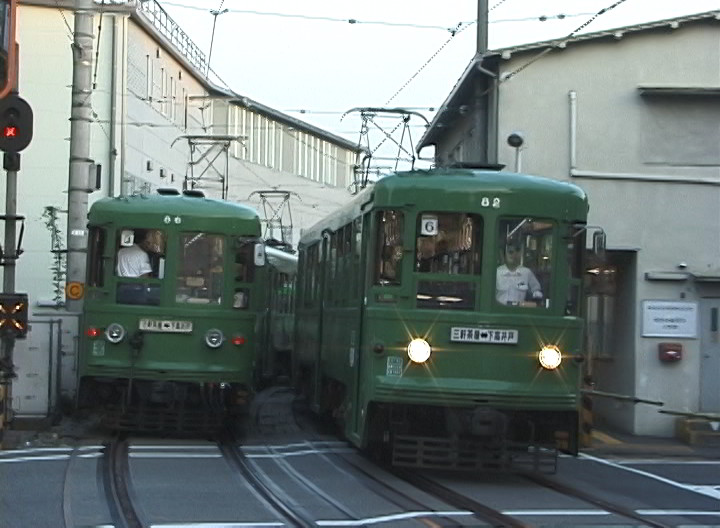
<point x="516" y="284"/>
<point x="134" y="261"/>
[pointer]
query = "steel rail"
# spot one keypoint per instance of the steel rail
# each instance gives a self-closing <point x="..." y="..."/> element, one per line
<point x="586" y="497"/>
<point x="116" y="471"/>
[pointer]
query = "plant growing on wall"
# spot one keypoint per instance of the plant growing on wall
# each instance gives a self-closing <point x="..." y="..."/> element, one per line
<point x="59" y="265"/>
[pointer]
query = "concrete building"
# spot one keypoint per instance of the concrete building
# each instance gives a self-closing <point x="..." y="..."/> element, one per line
<point x="156" y="122"/>
<point x="630" y="115"/>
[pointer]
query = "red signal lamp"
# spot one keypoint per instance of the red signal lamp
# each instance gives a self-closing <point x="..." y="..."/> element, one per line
<point x="238" y="340"/>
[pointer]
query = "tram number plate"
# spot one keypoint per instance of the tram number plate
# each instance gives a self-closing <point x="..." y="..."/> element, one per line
<point x="460" y="334"/>
<point x="160" y="325"/>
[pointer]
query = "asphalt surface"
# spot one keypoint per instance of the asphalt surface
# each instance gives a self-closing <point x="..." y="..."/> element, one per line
<point x="604" y="443"/>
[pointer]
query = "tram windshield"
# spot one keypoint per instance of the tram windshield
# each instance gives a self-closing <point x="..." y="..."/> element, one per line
<point x="524" y="262"/>
<point x="447" y="244"/>
<point x="140" y="255"/>
<point x="200" y="266"/>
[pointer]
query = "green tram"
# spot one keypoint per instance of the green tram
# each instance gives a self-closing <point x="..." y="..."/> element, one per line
<point x="278" y="321"/>
<point x="169" y="340"/>
<point x="438" y="318"/>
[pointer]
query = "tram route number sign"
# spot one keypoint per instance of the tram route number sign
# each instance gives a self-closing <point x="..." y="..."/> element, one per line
<point x="496" y="336"/>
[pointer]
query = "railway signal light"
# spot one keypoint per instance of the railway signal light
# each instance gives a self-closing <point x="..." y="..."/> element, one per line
<point x="8" y="49"/>
<point x="16" y="124"/>
<point x="14" y="314"/>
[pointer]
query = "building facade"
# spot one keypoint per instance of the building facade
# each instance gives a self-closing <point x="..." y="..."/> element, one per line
<point x="630" y="115"/>
<point x="157" y="121"/>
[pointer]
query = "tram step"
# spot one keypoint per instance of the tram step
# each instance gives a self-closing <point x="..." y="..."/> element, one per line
<point x="697" y="431"/>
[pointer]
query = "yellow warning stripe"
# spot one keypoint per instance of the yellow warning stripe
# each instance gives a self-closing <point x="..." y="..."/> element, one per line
<point x="604" y="438"/>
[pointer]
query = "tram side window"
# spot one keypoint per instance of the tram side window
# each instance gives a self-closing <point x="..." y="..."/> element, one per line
<point x="389" y="247"/>
<point x="310" y="275"/>
<point x="96" y="262"/>
<point x="525" y="262"/>
<point x="140" y="255"/>
<point x="357" y="253"/>
<point x="200" y="268"/>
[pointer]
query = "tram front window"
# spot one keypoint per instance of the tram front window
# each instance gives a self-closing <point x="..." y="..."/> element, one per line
<point x="447" y="244"/>
<point x="200" y="267"/>
<point x="141" y="258"/>
<point x="524" y="262"/>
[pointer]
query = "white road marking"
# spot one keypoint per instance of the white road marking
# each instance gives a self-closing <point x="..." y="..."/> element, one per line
<point x="710" y="491"/>
<point x="391" y="518"/>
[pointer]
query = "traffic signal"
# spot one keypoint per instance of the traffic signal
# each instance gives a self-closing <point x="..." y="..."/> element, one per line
<point x="13" y="314"/>
<point x="16" y="123"/>
<point x="8" y="60"/>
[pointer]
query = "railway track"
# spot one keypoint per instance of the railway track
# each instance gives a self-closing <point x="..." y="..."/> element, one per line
<point x="589" y="498"/>
<point x="116" y="477"/>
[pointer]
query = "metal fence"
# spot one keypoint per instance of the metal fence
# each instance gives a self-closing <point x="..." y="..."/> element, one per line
<point x="170" y="30"/>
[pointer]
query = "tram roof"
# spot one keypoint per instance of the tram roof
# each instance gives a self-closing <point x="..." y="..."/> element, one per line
<point x="468" y="179"/>
<point x="451" y="185"/>
<point x="147" y="207"/>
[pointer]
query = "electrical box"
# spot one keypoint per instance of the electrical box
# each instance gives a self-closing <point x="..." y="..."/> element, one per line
<point x="670" y="352"/>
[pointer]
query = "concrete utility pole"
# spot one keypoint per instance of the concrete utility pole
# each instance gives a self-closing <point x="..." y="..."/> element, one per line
<point x="80" y="119"/>
<point x="482" y="27"/>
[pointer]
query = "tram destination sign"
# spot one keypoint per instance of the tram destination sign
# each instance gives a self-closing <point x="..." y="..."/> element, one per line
<point x="669" y="319"/>
<point x="164" y="325"/>
<point x="497" y="336"/>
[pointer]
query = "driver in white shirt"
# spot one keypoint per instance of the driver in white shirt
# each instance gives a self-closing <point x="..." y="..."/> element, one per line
<point x="515" y="284"/>
<point x="134" y="261"/>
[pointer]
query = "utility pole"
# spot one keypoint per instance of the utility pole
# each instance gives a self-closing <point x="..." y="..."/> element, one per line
<point x="486" y="97"/>
<point x="78" y="183"/>
<point x="482" y="27"/>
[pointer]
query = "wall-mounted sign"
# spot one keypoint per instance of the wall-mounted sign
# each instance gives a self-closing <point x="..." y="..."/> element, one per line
<point x="669" y="319"/>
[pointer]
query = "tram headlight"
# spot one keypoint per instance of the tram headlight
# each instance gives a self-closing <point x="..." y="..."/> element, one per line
<point x="214" y="338"/>
<point x="550" y="357"/>
<point x="115" y="332"/>
<point x="419" y="350"/>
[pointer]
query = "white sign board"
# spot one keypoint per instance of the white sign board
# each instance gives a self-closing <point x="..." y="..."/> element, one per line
<point x="429" y="225"/>
<point x="669" y="319"/>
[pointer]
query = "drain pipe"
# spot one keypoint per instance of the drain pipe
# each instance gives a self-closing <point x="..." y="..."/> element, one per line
<point x="572" y="94"/>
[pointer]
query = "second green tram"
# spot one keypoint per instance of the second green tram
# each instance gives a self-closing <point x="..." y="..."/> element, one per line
<point x="170" y="340"/>
<point x="438" y="317"/>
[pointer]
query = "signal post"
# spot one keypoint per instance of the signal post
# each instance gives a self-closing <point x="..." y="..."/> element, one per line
<point x="16" y="129"/>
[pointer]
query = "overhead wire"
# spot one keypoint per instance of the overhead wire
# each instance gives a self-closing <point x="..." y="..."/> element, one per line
<point x="67" y="24"/>
<point x="442" y="47"/>
<point x="316" y="17"/>
<point x="566" y="39"/>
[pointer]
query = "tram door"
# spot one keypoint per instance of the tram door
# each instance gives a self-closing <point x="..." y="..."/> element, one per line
<point x="709" y="355"/>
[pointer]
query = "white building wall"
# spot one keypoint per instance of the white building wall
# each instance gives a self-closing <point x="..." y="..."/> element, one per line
<point x="45" y="78"/>
<point x="667" y="223"/>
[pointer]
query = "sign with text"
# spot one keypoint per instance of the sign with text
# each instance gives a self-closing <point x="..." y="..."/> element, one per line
<point x="669" y="319"/>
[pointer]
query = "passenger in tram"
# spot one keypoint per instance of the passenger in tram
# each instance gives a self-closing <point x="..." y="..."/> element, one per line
<point x="516" y="284"/>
